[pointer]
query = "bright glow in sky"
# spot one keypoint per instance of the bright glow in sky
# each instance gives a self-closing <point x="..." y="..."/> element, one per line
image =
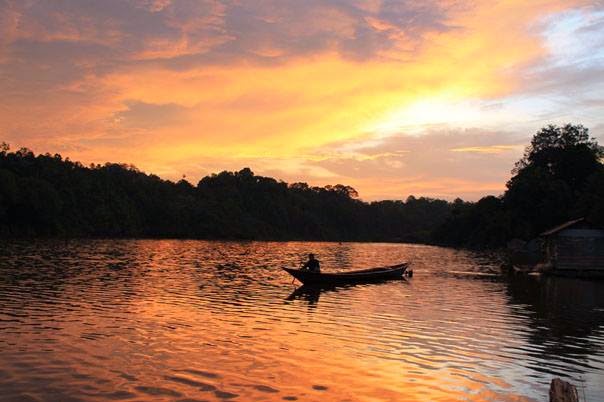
<point x="434" y="98"/>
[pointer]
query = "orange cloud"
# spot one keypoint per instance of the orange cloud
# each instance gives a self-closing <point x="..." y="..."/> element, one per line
<point x="492" y="149"/>
<point x="177" y="89"/>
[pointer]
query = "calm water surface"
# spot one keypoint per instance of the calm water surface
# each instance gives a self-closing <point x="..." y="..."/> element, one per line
<point x="193" y="320"/>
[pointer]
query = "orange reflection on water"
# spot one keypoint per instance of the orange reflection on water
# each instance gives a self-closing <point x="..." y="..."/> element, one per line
<point x="169" y="320"/>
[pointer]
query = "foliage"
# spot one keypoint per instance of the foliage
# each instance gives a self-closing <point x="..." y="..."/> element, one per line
<point x="560" y="177"/>
<point x="557" y="148"/>
<point x="484" y="224"/>
<point x="551" y="177"/>
<point x="47" y="195"/>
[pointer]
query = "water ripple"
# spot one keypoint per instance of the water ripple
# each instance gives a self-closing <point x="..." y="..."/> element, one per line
<point x="195" y="320"/>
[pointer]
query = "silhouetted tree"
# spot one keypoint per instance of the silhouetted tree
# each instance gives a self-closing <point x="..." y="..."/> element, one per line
<point x="47" y="195"/>
<point x="551" y="177"/>
<point x="559" y="177"/>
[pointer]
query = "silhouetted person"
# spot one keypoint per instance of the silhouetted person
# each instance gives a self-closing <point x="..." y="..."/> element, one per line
<point x="312" y="264"/>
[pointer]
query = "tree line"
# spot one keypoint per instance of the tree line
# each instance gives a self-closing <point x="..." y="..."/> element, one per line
<point x="560" y="177"/>
<point x="48" y="196"/>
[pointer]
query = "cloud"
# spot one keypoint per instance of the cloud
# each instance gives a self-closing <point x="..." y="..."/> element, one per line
<point x="472" y="156"/>
<point x="566" y="83"/>
<point x="189" y="32"/>
<point x="447" y="164"/>
<point x="491" y="149"/>
<point x="442" y="163"/>
<point x="148" y="115"/>
<point x="359" y="29"/>
<point x="315" y="90"/>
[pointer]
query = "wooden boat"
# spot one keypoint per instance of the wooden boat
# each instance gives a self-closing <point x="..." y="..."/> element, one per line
<point x="365" y="275"/>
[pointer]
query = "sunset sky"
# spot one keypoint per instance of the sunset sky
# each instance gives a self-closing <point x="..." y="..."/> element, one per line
<point x="431" y="98"/>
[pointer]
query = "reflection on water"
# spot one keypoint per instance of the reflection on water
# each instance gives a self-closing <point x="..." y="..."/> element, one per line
<point x="308" y="293"/>
<point x="566" y="317"/>
<point x="193" y="320"/>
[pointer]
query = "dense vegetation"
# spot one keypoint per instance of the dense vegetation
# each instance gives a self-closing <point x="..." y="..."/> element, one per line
<point x="47" y="195"/>
<point x="560" y="177"/>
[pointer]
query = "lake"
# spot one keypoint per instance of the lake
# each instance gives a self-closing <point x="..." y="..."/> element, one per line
<point x="196" y="320"/>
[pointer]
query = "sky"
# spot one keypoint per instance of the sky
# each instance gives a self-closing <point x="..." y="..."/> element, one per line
<point x="395" y="98"/>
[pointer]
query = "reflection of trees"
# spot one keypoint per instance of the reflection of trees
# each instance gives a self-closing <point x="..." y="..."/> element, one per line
<point x="564" y="314"/>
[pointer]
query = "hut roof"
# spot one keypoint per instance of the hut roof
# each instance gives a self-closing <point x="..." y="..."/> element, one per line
<point x="561" y="227"/>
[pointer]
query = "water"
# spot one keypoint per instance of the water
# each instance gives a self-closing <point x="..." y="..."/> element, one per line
<point x="193" y="320"/>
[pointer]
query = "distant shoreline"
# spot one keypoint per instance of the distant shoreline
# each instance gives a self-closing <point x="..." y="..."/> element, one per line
<point x="51" y="197"/>
<point x="559" y="178"/>
<point x="184" y="239"/>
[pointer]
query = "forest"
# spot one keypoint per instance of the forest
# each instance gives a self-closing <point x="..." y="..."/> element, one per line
<point x="48" y="196"/>
<point x="560" y="177"/>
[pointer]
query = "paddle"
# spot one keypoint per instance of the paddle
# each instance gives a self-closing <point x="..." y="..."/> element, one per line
<point x="301" y="266"/>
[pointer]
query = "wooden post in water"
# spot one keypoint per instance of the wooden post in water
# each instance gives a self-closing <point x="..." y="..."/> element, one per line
<point x="562" y="391"/>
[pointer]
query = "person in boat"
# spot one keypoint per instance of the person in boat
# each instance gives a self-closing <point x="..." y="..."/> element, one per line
<point x="312" y="265"/>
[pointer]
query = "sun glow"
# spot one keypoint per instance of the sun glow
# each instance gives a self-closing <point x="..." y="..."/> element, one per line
<point x="438" y="112"/>
<point x="425" y="113"/>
